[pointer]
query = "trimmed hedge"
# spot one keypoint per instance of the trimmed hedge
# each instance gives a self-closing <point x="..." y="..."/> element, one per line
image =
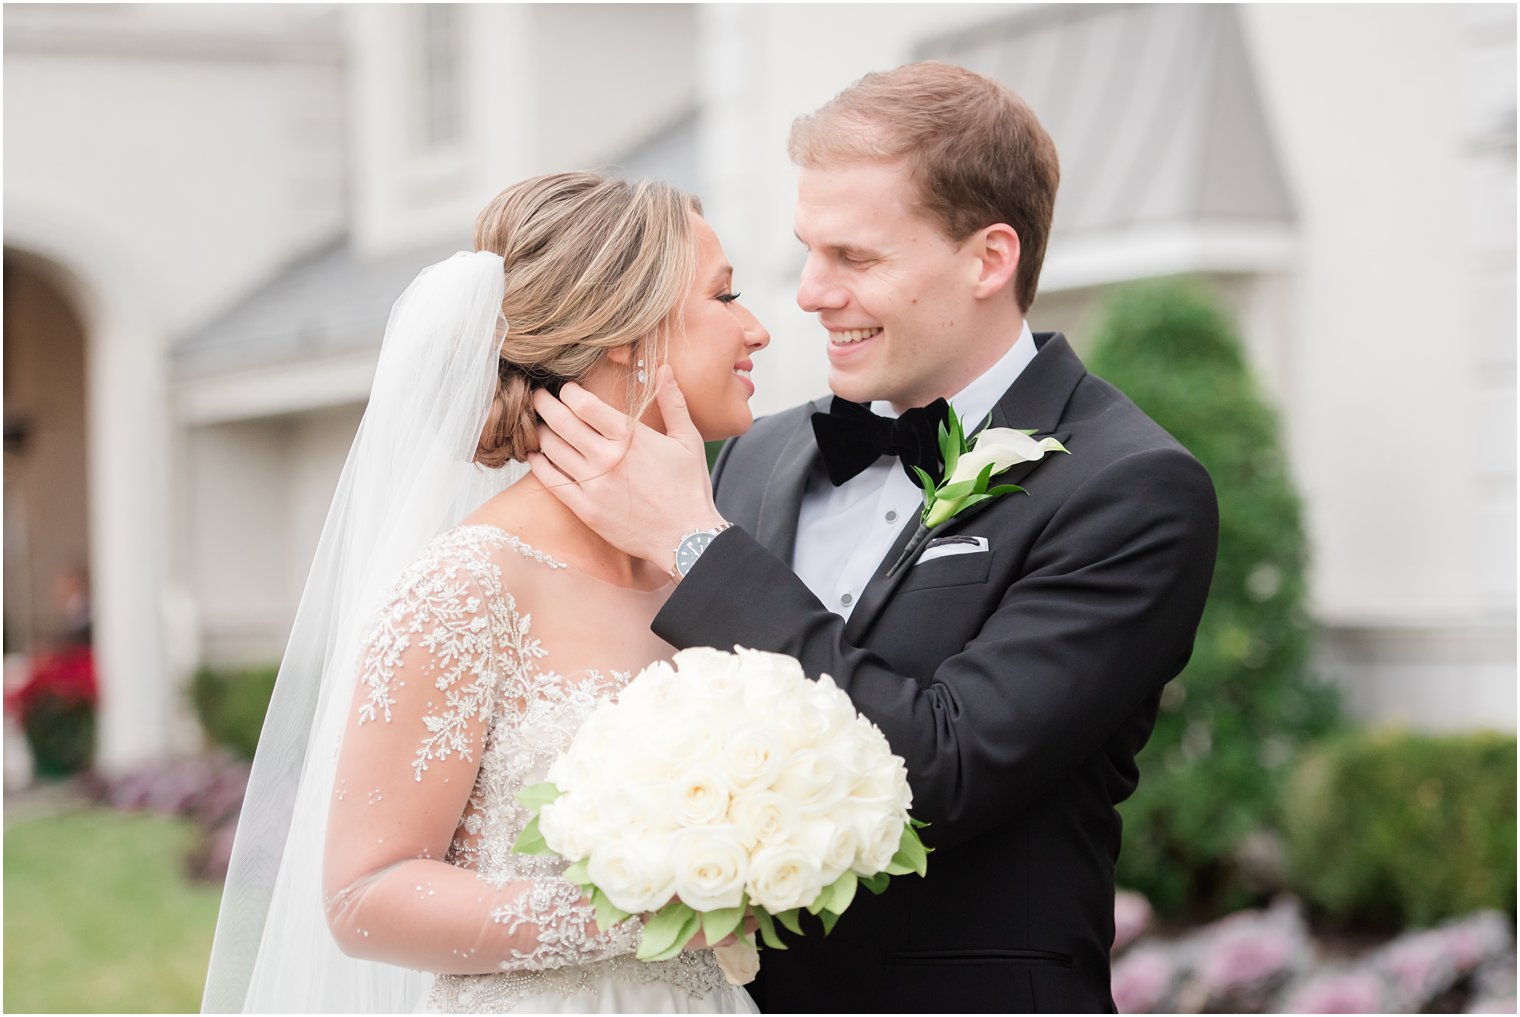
<point x="231" y="705"/>
<point x="1388" y="828"/>
<point x="1233" y="721"/>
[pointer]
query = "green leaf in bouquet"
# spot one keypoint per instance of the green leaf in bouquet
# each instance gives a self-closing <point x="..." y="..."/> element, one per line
<point x="911" y="855"/>
<point x="668" y="931"/>
<point x="790" y="920"/>
<point x="717" y="925"/>
<point x="829" y="919"/>
<point x="608" y="914"/>
<point x="838" y="896"/>
<point x="578" y="872"/>
<point x="877" y="884"/>
<point x="917" y="824"/>
<point x="536" y="796"/>
<point x="768" y="930"/>
<point x="531" y="842"/>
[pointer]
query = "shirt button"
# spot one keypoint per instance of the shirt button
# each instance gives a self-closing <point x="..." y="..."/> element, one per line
<point x="847" y="600"/>
<point x="891" y="517"/>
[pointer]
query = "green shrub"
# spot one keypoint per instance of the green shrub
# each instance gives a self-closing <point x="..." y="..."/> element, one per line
<point x="231" y="705"/>
<point x="60" y="730"/>
<point x="1235" y="718"/>
<point x="1389" y="828"/>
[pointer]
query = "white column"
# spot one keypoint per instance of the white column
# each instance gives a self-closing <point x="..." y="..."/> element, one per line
<point x="128" y="442"/>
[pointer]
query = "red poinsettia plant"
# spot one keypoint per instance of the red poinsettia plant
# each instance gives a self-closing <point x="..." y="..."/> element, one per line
<point x="57" y="707"/>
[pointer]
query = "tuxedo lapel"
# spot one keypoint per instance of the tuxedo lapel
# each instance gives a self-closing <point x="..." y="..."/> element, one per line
<point x="1037" y="399"/>
<point x="781" y="498"/>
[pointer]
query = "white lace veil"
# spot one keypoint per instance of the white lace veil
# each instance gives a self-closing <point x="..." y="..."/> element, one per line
<point x="408" y="478"/>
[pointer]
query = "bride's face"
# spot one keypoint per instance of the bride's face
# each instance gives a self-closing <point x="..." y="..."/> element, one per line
<point x="711" y="355"/>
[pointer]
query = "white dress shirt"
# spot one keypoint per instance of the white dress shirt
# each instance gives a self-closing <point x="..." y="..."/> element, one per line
<point x="844" y="532"/>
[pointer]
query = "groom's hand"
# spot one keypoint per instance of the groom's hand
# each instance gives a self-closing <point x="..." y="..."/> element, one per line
<point x="641" y="490"/>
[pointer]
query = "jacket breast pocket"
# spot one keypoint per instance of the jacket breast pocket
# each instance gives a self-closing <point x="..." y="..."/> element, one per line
<point x="952" y="570"/>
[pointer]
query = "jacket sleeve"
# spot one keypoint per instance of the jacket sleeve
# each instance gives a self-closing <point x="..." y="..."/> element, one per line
<point x="1102" y="615"/>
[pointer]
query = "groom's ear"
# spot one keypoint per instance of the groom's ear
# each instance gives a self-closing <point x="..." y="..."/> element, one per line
<point x="997" y="252"/>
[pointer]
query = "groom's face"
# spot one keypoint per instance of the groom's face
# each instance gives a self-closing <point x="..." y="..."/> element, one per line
<point x="894" y="294"/>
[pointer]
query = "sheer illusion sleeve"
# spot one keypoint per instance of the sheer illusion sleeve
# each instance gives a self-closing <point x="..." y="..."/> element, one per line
<point x="441" y="676"/>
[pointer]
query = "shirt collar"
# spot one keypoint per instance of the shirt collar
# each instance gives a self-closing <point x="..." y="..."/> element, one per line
<point x="976" y="400"/>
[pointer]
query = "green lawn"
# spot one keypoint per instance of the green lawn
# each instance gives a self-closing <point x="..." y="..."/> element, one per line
<point x="99" y="916"/>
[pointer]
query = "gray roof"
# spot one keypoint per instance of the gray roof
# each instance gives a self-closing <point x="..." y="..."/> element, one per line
<point x="331" y="301"/>
<point x="1154" y="109"/>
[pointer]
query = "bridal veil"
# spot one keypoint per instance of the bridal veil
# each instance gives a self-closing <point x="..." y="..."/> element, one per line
<point x="409" y="477"/>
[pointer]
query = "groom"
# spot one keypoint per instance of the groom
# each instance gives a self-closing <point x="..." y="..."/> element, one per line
<point x="1015" y="655"/>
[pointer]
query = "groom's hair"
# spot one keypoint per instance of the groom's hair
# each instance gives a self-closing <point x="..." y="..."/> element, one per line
<point x="975" y="149"/>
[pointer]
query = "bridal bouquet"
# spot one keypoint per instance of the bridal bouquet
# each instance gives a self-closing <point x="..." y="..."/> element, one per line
<point x="726" y="787"/>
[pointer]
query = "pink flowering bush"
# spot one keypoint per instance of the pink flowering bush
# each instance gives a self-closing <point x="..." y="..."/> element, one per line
<point x="1265" y="961"/>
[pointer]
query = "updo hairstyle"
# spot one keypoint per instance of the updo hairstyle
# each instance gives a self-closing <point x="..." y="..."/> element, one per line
<point x="592" y="263"/>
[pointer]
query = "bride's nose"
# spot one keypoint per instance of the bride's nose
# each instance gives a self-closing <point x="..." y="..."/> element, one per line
<point x="755" y="335"/>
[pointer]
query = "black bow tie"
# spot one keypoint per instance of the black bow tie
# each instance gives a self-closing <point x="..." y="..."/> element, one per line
<point x="851" y="438"/>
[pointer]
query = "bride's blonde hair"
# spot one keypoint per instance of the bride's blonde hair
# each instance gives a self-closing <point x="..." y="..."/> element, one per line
<point x="592" y="263"/>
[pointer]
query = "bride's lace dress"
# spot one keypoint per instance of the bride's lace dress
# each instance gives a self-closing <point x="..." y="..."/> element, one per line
<point x="475" y="677"/>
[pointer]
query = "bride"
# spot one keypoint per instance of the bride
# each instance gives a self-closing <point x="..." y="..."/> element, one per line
<point x="459" y="622"/>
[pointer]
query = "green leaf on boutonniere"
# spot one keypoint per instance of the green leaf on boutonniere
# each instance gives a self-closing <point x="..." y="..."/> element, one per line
<point x="990" y="451"/>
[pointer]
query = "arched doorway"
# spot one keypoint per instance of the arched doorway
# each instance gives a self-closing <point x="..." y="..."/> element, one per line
<point x="46" y="532"/>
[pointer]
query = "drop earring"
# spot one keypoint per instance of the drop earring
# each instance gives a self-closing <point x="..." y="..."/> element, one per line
<point x="641" y="376"/>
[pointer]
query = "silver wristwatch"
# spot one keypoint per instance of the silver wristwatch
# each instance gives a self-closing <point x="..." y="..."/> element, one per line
<point x="690" y="549"/>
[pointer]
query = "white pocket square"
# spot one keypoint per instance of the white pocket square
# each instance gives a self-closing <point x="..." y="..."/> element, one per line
<point x="944" y="547"/>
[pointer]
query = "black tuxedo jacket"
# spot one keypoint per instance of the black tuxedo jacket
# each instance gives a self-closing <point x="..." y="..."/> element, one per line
<point x="1017" y="682"/>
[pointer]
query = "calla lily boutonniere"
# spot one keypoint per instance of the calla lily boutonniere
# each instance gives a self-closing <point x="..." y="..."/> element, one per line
<point x="971" y="465"/>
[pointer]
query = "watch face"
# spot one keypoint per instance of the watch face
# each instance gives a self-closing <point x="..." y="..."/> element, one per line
<point x="690" y="550"/>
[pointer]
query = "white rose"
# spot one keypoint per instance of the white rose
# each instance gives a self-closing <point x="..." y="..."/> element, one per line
<point x="762" y="666"/>
<point x="790" y="718"/>
<point x="635" y="874"/>
<point x="700" y="796"/>
<point x="684" y="742"/>
<point x="880" y="846"/>
<point x="834" y="844"/>
<point x="711" y="867"/>
<point x="752" y="755"/>
<point x="653" y="687"/>
<point x="565" y="827"/>
<point x="763" y="817"/>
<point x="705" y="663"/>
<point x="782" y="878"/>
<point x="812" y="779"/>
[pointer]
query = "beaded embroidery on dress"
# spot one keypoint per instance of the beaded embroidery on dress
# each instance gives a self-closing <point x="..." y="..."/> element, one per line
<point x="475" y="677"/>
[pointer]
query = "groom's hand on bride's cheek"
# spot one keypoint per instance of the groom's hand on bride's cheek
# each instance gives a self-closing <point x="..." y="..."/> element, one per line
<point x="641" y="490"/>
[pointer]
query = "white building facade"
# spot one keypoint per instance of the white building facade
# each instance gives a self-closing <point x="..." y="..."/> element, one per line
<point x="229" y="202"/>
